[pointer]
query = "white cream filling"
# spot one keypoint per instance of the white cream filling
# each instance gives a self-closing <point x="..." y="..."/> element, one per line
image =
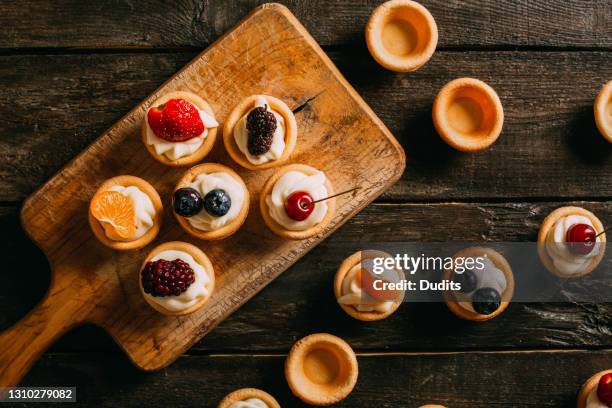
<point x="488" y="277"/>
<point x="144" y="214"/>
<point x="593" y="401"/>
<point x="289" y="183"/>
<point x="249" y="403"/>
<point x="565" y="262"/>
<point x="198" y="290"/>
<point x="204" y="183"/>
<point x="176" y="150"/>
<point x="241" y="135"/>
<point x="351" y="292"/>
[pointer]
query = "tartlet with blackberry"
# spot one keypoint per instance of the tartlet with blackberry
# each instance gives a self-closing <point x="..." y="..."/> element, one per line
<point x="211" y="201"/>
<point x="176" y="278"/>
<point x="260" y="132"/>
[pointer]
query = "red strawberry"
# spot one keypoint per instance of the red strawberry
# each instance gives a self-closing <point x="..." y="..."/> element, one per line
<point x="175" y="121"/>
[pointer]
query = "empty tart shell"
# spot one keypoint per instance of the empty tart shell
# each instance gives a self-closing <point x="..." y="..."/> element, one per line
<point x="401" y="35"/>
<point x="199" y="256"/>
<point x="149" y="190"/>
<point x="501" y="263"/>
<point x="321" y="369"/>
<point x="279" y="229"/>
<point x="239" y="111"/>
<point x="206" y="146"/>
<point x="248" y="393"/>
<point x="550" y="221"/>
<point x="588" y="386"/>
<point x="345" y="268"/>
<point x="468" y="114"/>
<point x="603" y="111"/>
<point x="227" y="229"/>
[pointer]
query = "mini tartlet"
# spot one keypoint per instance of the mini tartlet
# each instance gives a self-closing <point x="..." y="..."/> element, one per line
<point x="352" y="279"/>
<point x="603" y="111"/>
<point x="468" y="114"/>
<point x="321" y="369"/>
<point x="180" y="285"/>
<point x="260" y="132"/>
<point x="184" y="152"/>
<point x="589" y="397"/>
<point x="560" y="252"/>
<point x="486" y="291"/>
<point x="432" y="406"/>
<point x="250" y="397"/>
<point x="401" y="35"/>
<point x="125" y="213"/>
<point x="283" y="191"/>
<point x="219" y="205"/>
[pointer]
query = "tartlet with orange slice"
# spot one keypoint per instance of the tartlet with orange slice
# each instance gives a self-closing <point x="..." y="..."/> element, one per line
<point x="125" y="213"/>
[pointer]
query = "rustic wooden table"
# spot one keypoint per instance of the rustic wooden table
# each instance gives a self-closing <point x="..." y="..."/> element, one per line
<point x="69" y="69"/>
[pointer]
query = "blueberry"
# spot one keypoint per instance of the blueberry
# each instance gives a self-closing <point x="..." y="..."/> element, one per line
<point x="217" y="202"/>
<point x="468" y="281"/>
<point x="187" y="202"/>
<point x="486" y="300"/>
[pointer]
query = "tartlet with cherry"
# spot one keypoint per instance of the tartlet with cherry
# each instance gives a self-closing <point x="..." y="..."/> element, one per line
<point x="597" y="391"/>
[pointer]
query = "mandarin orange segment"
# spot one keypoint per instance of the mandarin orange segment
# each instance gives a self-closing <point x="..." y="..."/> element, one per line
<point x="115" y="209"/>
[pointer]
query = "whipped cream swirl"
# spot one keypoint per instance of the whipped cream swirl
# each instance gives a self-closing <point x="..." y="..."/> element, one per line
<point x="249" y="403"/>
<point x="241" y="135"/>
<point x="176" y="150"/>
<point x="291" y="182"/>
<point x="144" y="213"/>
<point x="204" y="183"/>
<point x="351" y="291"/>
<point x="488" y="277"/>
<point x="197" y="291"/>
<point x="566" y="262"/>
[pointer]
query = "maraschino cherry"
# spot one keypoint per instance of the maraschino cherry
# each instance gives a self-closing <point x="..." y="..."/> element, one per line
<point x="581" y="239"/>
<point x="298" y="205"/>
<point x="604" y="389"/>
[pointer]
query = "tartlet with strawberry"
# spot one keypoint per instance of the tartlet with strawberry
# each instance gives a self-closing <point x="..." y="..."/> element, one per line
<point x="176" y="278"/>
<point x="125" y="213"/>
<point x="357" y="293"/>
<point x="260" y="132"/>
<point x="296" y="202"/>
<point x="211" y="201"/>
<point x="597" y="391"/>
<point x="179" y="129"/>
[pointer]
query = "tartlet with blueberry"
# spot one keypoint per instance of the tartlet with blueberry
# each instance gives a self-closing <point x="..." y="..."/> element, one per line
<point x="290" y="202"/>
<point x="571" y="242"/>
<point x="260" y="132"/>
<point x="125" y="213"/>
<point x="211" y="201"/>
<point x="248" y="398"/>
<point x="176" y="278"/>
<point x="179" y="129"/>
<point x="597" y="391"/>
<point x="486" y="290"/>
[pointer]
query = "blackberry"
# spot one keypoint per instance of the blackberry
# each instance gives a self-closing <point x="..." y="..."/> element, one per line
<point x="261" y="125"/>
<point x="486" y="300"/>
<point x="217" y="202"/>
<point x="167" y="278"/>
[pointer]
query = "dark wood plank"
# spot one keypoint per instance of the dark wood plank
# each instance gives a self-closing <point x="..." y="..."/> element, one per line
<point x="186" y="23"/>
<point x="55" y="105"/>
<point x="301" y="300"/>
<point x="457" y="380"/>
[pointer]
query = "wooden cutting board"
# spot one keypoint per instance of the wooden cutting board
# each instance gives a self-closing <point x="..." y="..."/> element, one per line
<point x="269" y="52"/>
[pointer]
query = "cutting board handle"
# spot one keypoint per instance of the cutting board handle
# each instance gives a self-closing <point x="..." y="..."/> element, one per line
<point x="25" y="341"/>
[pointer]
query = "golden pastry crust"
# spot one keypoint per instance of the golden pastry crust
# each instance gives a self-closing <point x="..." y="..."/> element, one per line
<point x="227" y="229"/>
<point x="419" y="18"/>
<point x="246" y="393"/>
<point x="279" y="229"/>
<point x="208" y="143"/>
<point x="550" y="221"/>
<point x="480" y="94"/>
<point x="239" y="111"/>
<point x="501" y="263"/>
<point x="317" y="393"/>
<point x="199" y="256"/>
<point x="603" y="111"/>
<point x="432" y="406"/>
<point x="588" y="387"/>
<point x="344" y="268"/>
<point x="149" y="190"/>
